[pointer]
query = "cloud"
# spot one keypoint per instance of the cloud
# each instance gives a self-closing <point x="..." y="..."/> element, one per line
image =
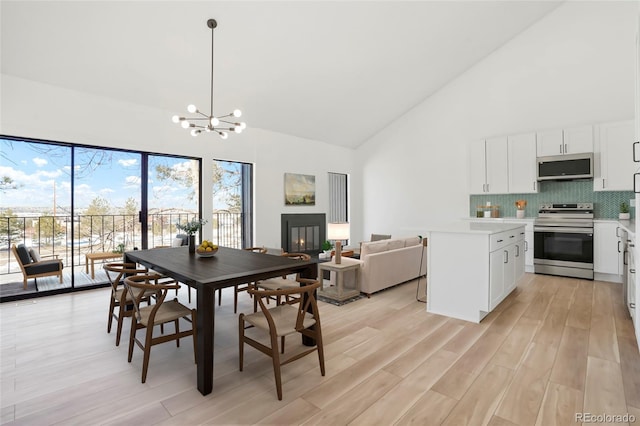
<point x="132" y="182"/>
<point x="128" y="162"/>
<point x="39" y="161"/>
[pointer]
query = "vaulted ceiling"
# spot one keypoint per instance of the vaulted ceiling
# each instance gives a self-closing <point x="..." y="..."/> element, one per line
<point x="334" y="71"/>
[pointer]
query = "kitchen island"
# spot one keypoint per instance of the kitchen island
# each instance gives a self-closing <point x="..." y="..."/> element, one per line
<point x="472" y="267"/>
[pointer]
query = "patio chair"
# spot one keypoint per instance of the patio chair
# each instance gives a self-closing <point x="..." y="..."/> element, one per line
<point x="33" y="266"/>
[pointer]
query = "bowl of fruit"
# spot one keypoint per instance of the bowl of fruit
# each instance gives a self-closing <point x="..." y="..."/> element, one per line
<point x="207" y="249"/>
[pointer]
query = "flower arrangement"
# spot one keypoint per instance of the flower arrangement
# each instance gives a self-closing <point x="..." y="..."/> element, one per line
<point x="521" y="204"/>
<point x="192" y="226"/>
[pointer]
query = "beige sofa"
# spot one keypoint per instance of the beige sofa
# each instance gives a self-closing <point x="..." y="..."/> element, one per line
<point x="390" y="262"/>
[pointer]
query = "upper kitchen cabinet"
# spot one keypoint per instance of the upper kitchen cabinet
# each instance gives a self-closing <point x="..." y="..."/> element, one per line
<point x="488" y="171"/>
<point x="578" y="140"/>
<point x="522" y="163"/>
<point x="573" y="140"/>
<point x="614" y="166"/>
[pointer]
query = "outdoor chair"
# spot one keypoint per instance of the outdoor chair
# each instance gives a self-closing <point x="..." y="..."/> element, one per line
<point x="33" y="266"/>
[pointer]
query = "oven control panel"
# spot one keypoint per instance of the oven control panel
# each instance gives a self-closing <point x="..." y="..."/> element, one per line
<point x="566" y="206"/>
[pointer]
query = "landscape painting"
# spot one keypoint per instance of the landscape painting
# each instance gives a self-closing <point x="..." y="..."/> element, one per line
<point x="299" y="189"/>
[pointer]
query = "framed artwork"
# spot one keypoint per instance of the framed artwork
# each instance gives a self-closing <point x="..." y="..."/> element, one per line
<point x="299" y="190"/>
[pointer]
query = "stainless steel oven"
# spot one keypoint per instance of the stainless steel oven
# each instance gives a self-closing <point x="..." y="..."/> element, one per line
<point x="563" y="240"/>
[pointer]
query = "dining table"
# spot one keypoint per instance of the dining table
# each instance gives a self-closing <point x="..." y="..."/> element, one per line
<point x="228" y="267"/>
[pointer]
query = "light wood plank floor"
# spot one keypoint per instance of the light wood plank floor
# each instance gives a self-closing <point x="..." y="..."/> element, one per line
<point x="553" y="348"/>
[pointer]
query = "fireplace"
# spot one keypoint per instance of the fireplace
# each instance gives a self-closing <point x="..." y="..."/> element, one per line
<point x="303" y="232"/>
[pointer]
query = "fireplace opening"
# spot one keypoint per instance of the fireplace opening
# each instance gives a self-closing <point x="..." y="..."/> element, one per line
<point x="303" y="232"/>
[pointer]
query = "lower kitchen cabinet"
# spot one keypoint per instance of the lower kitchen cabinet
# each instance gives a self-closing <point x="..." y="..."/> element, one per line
<point x="607" y="256"/>
<point x="472" y="267"/>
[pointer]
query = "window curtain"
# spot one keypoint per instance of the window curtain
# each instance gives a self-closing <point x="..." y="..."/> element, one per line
<point x="338" y="198"/>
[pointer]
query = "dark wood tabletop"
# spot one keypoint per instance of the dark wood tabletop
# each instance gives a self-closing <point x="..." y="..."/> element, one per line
<point x="226" y="268"/>
<point x="206" y="274"/>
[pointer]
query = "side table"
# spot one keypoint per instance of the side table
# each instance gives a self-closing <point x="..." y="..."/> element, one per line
<point x="344" y="287"/>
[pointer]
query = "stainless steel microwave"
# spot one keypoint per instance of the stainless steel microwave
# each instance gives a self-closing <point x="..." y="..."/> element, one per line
<point x="565" y="167"/>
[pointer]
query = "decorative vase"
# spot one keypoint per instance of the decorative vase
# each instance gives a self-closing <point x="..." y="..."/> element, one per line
<point x="192" y="243"/>
<point x="520" y="214"/>
<point x="624" y="216"/>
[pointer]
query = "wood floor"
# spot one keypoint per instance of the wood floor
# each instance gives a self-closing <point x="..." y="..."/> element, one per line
<point x="555" y="347"/>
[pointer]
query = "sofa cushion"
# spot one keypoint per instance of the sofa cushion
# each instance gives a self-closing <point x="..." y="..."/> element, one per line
<point x="23" y="254"/>
<point x="44" y="267"/>
<point x="375" y="247"/>
<point x="411" y="241"/>
<point x="395" y="244"/>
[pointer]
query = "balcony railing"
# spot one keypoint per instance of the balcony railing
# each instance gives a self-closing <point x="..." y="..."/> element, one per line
<point x="52" y="235"/>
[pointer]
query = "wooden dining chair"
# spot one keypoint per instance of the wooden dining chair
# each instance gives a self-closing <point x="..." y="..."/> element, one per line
<point x="281" y="321"/>
<point x="239" y="288"/>
<point x="284" y="282"/>
<point x="159" y="313"/>
<point x="120" y="298"/>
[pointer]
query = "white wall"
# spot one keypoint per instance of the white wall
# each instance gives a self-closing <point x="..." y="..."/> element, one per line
<point x="41" y="111"/>
<point x="573" y="67"/>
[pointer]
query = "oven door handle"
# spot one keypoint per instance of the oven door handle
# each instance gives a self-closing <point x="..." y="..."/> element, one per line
<point x="563" y="229"/>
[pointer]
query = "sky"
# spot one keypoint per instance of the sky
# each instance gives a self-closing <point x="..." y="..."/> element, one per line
<point x="40" y="169"/>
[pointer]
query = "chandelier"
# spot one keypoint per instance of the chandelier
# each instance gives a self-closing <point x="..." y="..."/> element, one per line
<point x="201" y="122"/>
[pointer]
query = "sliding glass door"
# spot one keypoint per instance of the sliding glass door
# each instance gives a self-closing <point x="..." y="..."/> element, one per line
<point x="86" y="206"/>
<point x="173" y="196"/>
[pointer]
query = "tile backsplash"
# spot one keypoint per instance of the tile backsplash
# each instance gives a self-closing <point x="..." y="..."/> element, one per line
<point x="606" y="203"/>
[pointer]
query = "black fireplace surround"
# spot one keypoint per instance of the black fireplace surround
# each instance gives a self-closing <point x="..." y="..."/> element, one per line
<point x="303" y="232"/>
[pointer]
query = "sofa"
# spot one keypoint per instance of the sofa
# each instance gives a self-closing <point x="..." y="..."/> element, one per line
<point x="387" y="263"/>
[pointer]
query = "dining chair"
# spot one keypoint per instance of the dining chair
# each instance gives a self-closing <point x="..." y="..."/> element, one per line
<point x="159" y="313"/>
<point x="239" y="288"/>
<point x="178" y="241"/>
<point x="120" y="298"/>
<point x="281" y="321"/>
<point x="284" y="282"/>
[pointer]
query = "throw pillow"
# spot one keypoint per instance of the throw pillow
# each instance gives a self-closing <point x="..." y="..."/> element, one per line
<point x="35" y="256"/>
<point x="177" y="242"/>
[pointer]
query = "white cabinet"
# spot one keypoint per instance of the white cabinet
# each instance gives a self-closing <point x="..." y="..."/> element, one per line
<point x="606" y="255"/>
<point x="550" y="142"/>
<point x="519" y="257"/>
<point x="525" y="241"/>
<point x="631" y="280"/>
<point x="578" y="139"/>
<point x="488" y="172"/>
<point x="506" y="264"/>
<point x="614" y="166"/>
<point x="472" y="267"/>
<point x="522" y="163"/>
<point x="496" y="277"/>
<point x="572" y="140"/>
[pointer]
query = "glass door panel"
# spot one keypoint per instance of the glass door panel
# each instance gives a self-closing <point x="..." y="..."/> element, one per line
<point x="173" y="197"/>
<point x="35" y="206"/>
<point x="106" y="202"/>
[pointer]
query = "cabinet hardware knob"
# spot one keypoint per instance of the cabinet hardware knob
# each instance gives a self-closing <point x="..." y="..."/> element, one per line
<point x="632" y="305"/>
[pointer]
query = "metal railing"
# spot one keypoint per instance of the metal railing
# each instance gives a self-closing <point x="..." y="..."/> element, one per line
<point x="52" y="235"/>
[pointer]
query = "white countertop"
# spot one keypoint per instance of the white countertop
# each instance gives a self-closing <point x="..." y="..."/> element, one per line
<point x="469" y="227"/>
